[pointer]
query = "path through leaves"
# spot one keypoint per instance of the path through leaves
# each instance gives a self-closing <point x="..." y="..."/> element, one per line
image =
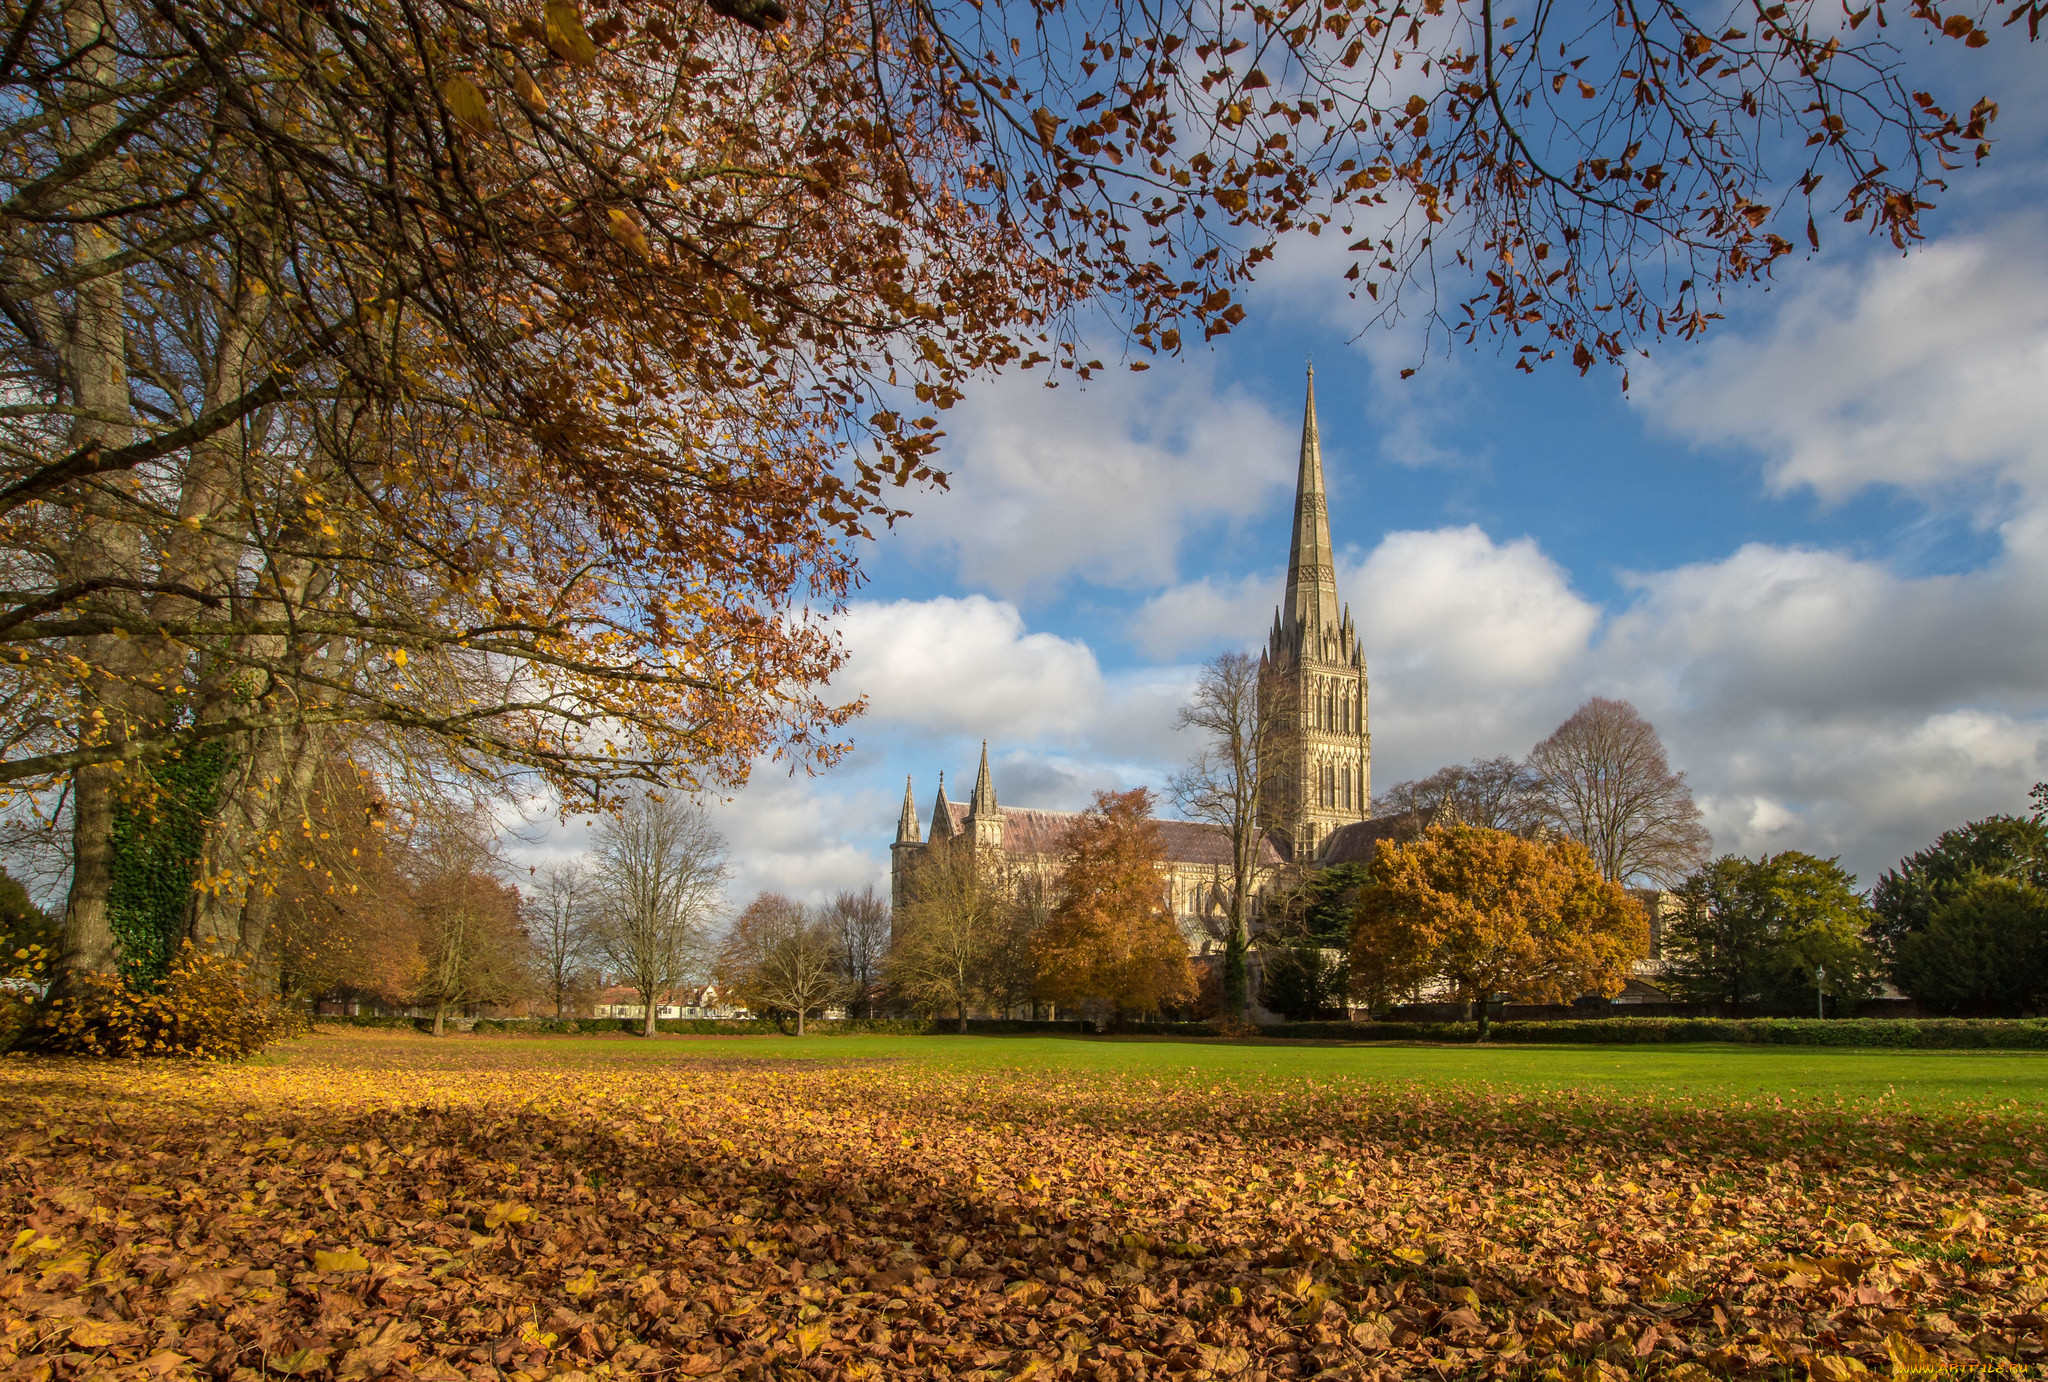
<point x="479" y="1211"/>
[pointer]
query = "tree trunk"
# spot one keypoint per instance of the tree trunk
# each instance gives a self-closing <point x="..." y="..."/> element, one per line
<point x="440" y="1017"/>
<point x="86" y="944"/>
<point x="963" y="1019"/>
<point x="95" y="356"/>
<point x="648" y="1030"/>
<point x="799" y="1019"/>
<point x="1236" y="993"/>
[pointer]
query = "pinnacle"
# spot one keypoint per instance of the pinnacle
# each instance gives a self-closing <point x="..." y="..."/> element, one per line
<point x="906" y="824"/>
<point x="983" y="803"/>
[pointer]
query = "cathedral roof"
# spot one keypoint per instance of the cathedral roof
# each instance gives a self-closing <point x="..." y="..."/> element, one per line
<point x="1027" y="830"/>
<point x="1357" y="842"/>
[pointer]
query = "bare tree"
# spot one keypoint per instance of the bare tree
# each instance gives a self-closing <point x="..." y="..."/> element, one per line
<point x="781" y="957"/>
<point x="1010" y="970"/>
<point x="946" y="934"/>
<point x="1246" y="726"/>
<point x="1497" y="793"/>
<point x="659" y="867"/>
<point x="860" y="932"/>
<point x="560" y="926"/>
<point x="1608" y="785"/>
<point x="471" y="944"/>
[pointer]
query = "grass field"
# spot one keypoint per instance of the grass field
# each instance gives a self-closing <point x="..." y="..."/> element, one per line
<point x="1913" y="1079"/>
<point x="490" y="1209"/>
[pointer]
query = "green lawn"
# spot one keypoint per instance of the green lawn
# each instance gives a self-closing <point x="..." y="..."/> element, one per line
<point x="1900" y="1081"/>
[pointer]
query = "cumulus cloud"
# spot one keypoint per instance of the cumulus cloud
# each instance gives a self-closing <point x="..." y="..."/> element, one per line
<point x="1104" y="482"/>
<point x="964" y="665"/>
<point x="1919" y="371"/>
<point x="1207" y="615"/>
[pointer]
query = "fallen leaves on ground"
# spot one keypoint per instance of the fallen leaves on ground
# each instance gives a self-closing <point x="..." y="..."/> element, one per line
<point x="371" y="1208"/>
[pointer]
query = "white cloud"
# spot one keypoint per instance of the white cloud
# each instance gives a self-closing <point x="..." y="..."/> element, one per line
<point x="966" y="665"/>
<point x="1452" y="606"/>
<point x="1105" y="481"/>
<point x="1208" y="615"/>
<point x="1918" y="371"/>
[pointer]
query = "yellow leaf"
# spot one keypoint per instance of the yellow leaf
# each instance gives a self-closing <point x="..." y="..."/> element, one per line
<point x="623" y="228"/>
<point x="342" y="1260"/>
<point x="77" y="1262"/>
<point x="467" y="104"/>
<point x="1835" y="1369"/>
<point x="529" y="90"/>
<point x="398" y="657"/>
<point x="101" y="1333"/>
<point x="811" y="1337"/>
<point x="506" y="1211"/>
<point x="1907" y="1356"/>
<point x="566" y="35"/>
<point x="581" y="1285"/>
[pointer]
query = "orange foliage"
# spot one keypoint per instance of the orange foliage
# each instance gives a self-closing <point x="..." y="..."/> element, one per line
<point x="207" y="1008"/>
<point x="1489" y="912"/>
<point x="1112" y="940"/>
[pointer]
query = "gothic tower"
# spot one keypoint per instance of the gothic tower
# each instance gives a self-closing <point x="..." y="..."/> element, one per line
<point x="984" y="818"/>
<point x="1315" y="662"/>
<point x="903" y="856"/>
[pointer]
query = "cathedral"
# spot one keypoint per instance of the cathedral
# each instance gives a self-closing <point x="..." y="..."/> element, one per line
<point x="1317" y="801"/>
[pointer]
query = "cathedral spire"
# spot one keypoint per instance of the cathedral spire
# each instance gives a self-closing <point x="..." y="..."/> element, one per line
<point x="983" y="802"/>
<point x="906" y="824"/>
<point x="1311" y="600"/>
<point x="942" y="814"/>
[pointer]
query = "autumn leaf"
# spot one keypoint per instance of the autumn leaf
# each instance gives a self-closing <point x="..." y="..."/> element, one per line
<point x="102" y="1333"/>
<point x="621" y="226"/>
<point x="1048" y="126"/>
<point x="467" y="104"/>
<point x="566" y="35"/>
<point x="507" y="1212"/>
<point x="340" y="1260"/>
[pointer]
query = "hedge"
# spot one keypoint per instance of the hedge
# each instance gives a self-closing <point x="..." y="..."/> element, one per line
<point x="1921" y="1033"/>
<point x="704" y="1026"/>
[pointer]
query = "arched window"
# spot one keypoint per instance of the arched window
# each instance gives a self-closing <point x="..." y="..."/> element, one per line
<point x="1345" y="795"/>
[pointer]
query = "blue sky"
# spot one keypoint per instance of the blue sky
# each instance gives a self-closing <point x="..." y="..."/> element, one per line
<point x="1812" y="549"/>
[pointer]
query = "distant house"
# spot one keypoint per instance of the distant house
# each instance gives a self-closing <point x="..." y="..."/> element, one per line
<point x="705" y="1001"/>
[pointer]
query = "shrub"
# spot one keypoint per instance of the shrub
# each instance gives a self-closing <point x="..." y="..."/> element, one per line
<point x="21" y="983"/>
<point x="205" y="1009"/>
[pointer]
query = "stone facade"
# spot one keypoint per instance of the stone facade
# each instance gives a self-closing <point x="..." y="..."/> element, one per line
<point x="1316" y="661"/>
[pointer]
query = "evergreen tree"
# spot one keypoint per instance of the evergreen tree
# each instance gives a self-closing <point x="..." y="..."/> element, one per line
<point x="1907" y="897"/>
<point x="1984" y="952"/>
<point x="1761" y="930"/>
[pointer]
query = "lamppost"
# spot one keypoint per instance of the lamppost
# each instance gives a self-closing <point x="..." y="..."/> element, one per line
<point x="1820" y="976"/>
